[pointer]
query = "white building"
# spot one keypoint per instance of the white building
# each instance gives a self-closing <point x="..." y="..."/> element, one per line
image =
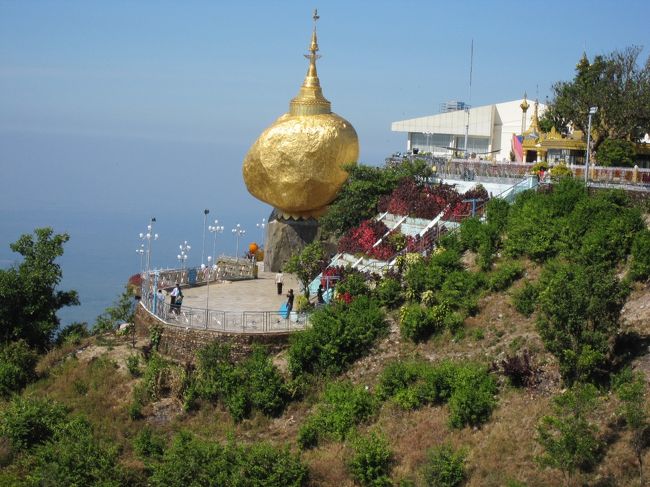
<point x="489" y="128"/>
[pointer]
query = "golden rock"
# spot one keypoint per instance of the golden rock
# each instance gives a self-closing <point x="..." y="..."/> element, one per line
<point x="296" y="164"/>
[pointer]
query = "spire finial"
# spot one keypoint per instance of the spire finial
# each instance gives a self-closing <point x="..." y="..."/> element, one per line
<point x="310" y="100"/>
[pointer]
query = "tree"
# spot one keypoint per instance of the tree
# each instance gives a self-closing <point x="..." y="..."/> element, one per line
<point x="616" y="152"/>
<point x="579" y="317"/>
<point x="121" y="312"/>
<point x="631" y="390"/>
<point x="307" y="264"/>
<point x="617" y="85"/>
<point x="568" y="436"/>
<point x="30" y="299"/>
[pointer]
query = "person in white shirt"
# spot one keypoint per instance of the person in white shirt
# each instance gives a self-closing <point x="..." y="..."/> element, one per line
<point x="279" y="279"/>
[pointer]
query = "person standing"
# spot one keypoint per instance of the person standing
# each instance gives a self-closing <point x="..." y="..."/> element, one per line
<point x="160" y="302"/>
<point x="289" y="302"/>
<point x="279" y="280"/>
<point x="174" y="294"/>
<point x="319" y="295"/>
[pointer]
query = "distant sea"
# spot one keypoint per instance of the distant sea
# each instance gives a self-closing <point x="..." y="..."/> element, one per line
<point x="101" y="253"/>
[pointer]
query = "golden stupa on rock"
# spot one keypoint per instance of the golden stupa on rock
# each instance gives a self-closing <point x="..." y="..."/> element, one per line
<point x="295" y="165"/>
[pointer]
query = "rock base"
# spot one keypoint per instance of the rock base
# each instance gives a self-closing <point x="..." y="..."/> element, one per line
<point x="285" y="238"/>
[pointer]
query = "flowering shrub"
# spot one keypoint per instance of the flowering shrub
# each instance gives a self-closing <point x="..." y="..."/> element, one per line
<point x="418" y="201"/>
<point x="459" y="210"/>
<point x="361" y="239"/>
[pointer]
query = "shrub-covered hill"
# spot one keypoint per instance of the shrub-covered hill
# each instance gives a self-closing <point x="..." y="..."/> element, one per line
<point x="491" y="362"/>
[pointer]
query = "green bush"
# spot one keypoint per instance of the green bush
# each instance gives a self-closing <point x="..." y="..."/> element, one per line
<point x="412" y="384"/>
<point x="497" y="211"/>
<point x="371" y="461"/>
<point x="196" y="462"/>
<point x="568" y="436"/>
<point x="468" y="388"/>
<point x="505" y="275"/>
<point x="133" y="365"/>
<point x="74" y="456"/>
<point x="579" y="309"/>
<point x="339" y="334"/>
<point x="524" y="299"/>
<point x="252" y="384"/>
<point x="472" y="399"/>
<point x="444" y="467"/>
<point x="460" y="290"/>
<point x="353" y="283"/>
<point x="640" y="266"/>
<point x="17" y="367"/>
<point x="469" y="231"/>
<point x="148" y="444"/>
<point x="616" y="152"/>
<point x="489" y="241"/>
<point x="418" y="323"/>
<point x="73" y="333"/>
<point x="533" y="228"/>
<point x="342" y="407"/>
<point x="420" y="277"/>
<point x="389" y="292"/>
<point x="31" y="421"/>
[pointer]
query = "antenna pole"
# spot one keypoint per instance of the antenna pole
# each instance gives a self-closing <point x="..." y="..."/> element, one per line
<point x="471" y="65"/>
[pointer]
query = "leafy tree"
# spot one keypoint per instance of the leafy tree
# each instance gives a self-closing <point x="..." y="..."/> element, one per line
<point x="568" y="437"/>
<point x="75" y="457"/>
<point x="27" y="422"/>
<point x="579" y="317"/>
<point x="616" y="152"/>
<point x="307" y="264"/>
<point x="17" y="367"/>
<point x="30" y="299"/>
<point x="194" y="462"/>
<point x="631" y="390"/>
<point x="617" y="85"/>
<point x="640" y="267"/>
<point x="445" y="467"/>
<point x="120" y="312"/>
<point x="339" y="334"/>
<point x="372" y="460"/>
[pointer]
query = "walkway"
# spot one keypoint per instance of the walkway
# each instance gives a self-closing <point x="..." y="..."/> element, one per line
<point x="251" y="295"/>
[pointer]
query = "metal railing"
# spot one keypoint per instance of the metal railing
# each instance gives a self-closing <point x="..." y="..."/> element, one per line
<point x="225" y="321"/>
<point x="470" y="170"/>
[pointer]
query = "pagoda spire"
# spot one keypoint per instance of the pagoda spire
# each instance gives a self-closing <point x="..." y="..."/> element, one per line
<point x="310" y="99"/>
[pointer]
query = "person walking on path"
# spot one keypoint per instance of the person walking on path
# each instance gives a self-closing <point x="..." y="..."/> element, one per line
<point x="279" y="279"/>
<point x="289" y="302"/>
<point x="176" y="292"/>
<point x="319" y="295"/>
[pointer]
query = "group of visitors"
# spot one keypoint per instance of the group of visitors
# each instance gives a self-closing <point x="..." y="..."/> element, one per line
<point x="176" y="300"/>
<point x="279" y="281"/>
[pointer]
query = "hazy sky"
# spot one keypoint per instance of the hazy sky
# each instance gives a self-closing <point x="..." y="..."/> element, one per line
<point x="125" y="104"/>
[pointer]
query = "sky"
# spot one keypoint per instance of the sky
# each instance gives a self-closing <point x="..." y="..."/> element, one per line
<point x="112" y="112"/>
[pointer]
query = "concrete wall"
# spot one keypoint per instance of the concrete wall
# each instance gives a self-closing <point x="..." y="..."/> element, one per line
<point x="181" y="344"/>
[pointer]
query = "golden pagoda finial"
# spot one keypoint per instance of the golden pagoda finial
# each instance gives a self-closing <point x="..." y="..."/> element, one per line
<point x="534" y="130"/>
<point x="524" y="104"/>
<point x="524" y="108"/>
<point x="310" y="99"/>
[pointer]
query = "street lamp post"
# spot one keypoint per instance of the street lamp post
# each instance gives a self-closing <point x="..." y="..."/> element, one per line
<point x="238" y="232"/>
<point x="182" y="257"/>
<point x="215" y="229"/>
<point x="592" y="112"/>
<point x="141" y="251"/>
<point x="149" y="236"/>
<point x="205" y="219"/>
<point x="207" y="294"/>
<point x="262" y="226"/>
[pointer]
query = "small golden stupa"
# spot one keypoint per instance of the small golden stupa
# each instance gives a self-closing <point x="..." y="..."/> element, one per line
<point x="295" y="165"/>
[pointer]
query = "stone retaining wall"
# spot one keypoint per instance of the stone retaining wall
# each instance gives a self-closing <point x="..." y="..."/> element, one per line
<point x="181" y="344"/>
